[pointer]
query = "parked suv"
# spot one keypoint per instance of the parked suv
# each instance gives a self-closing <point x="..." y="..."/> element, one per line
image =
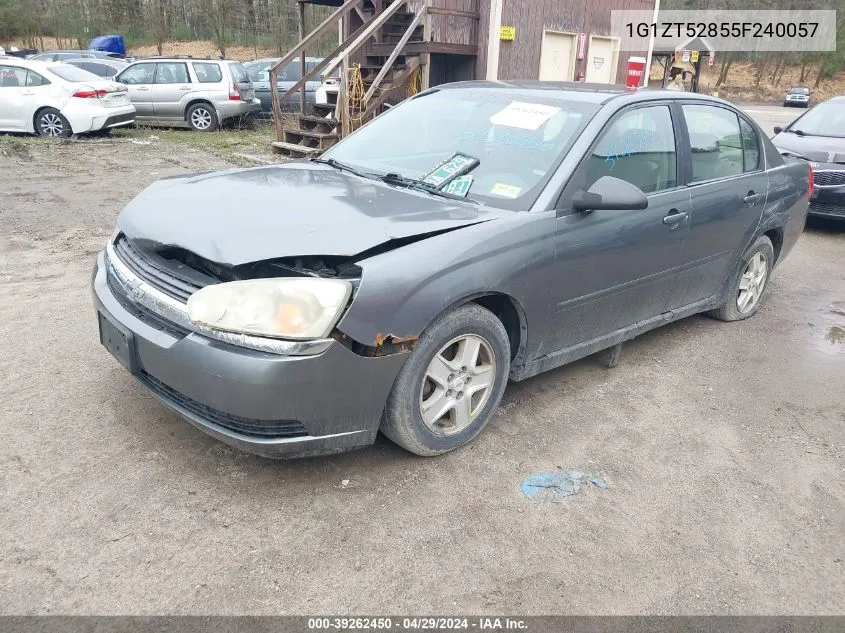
<point x="199" y="93"/>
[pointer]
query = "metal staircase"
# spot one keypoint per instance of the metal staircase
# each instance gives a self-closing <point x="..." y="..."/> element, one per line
<point x="385" y="71"/>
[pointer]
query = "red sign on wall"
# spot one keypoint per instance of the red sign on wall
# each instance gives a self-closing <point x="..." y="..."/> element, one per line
<point x="582" y="45"/>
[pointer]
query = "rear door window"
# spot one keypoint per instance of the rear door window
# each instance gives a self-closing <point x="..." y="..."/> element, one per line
<point x="34" y="79"/>
<point x="208" y="73"/>
<point x="172" y="73"/>
<point x="715" y="141"/>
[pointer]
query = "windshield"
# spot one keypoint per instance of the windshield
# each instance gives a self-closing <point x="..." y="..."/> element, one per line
<point x="799" y="91"/>
<point x="826" y="119"/>
<point x="72" y="73"/>
<point x="518" y="141"/>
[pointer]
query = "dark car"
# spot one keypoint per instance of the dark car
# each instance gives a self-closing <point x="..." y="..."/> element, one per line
<point x="259" y="73"/>
<point x="101" y="67"/>
<point x="818" y="136"/>
<point x="476" y="232"/>
<point x="797" y="97"/>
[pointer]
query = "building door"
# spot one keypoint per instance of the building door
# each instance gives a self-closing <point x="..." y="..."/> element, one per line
<point x="601" y="60"/>
<point x="557" y="56"/>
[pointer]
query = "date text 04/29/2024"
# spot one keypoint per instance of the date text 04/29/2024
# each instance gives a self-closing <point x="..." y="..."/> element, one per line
<point x="418" y="624"/>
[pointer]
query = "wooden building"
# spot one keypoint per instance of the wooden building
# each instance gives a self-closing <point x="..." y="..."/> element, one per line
<point x="389" y="49"/>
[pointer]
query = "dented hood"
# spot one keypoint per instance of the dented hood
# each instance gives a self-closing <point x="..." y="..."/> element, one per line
<point x="296" y="209"/>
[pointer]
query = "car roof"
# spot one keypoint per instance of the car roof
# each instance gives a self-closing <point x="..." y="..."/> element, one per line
<point x="98" y="60"/>
<point x="264" y="60"/>
<point x="599" y="94"/>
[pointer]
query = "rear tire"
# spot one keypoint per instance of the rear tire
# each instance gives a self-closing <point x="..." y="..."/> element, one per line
<point x="749" y="282"/>
<point x="202" y="118"/>
<point x="51" y="122"/>
<point x="454" y="359"/>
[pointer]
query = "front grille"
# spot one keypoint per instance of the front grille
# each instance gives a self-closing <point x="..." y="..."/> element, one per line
<point x="159" y="272"/>
<point x="244" y="426"/>
<point x="142" y="313"/>
<point x="829" y="178"/>
<point x="827" y="209"/>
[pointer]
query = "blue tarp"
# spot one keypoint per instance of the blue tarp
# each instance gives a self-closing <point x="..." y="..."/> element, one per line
<point x="108" y="43"/>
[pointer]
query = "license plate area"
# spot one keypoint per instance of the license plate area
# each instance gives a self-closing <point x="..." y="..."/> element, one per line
<point x="118" y="341"/>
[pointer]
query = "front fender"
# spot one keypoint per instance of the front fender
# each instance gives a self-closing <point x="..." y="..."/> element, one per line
<point x="404" y="290"/>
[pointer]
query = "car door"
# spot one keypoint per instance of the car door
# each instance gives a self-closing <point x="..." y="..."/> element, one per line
<point x="139" y="80"/>
<point x="615" y="268"/>
<point x="728" y="186"/>
<point x="12" y="80"/>
<point x="172" y="83"/>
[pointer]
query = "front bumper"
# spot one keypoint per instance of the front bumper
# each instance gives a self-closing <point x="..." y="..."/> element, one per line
<point x="271" y="405"/>
<point x="828" y="201"/>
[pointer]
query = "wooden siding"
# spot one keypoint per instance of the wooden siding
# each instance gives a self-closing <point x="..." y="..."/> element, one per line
<point x="520" y="59"/>
<point x="458" y="27"/>
<point x="483" y="37"/>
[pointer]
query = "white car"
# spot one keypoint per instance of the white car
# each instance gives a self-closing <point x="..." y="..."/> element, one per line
<point x="327" y="93"/>
<point x="53" y="99"/>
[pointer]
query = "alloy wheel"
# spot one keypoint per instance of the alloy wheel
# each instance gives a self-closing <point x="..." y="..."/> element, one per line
<point x="201" y="118"/>
<point x="752" y="283"/>
<point x="51" y="124"/>
<point x="457" y="384"/>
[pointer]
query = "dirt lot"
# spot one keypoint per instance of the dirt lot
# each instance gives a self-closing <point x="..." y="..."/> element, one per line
<point x="723" y="446"/>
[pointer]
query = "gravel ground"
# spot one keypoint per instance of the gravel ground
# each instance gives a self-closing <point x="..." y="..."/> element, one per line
<point x="723" y="446"/>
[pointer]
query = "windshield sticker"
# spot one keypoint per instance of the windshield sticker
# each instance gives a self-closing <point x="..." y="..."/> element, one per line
<point x="445" y="172"/>
<point x="525" y="116"/>
<point x="459" y="186"/>
<point x="506" y="191"/>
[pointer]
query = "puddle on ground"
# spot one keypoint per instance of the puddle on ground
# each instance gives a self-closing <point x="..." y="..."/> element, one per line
<point x="829" y="329"/>
<point x="836" y="335"/>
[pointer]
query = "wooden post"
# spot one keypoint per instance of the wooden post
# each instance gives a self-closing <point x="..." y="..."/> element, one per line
<point x="302" y="57"/>
<point x="425" y="84"/>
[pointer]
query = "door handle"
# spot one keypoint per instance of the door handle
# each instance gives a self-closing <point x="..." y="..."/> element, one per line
<point x="28" y="93"/>
<point x="184" y="87"/>
<point x="675" y="217"/>
<point x="751" y="198"/>
<point x="142" y="89"/>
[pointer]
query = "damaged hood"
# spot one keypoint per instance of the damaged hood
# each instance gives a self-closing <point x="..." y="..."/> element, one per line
<point x="296" y="209"/>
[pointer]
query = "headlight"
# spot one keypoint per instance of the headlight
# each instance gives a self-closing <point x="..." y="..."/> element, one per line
<point x="300" y="308"/>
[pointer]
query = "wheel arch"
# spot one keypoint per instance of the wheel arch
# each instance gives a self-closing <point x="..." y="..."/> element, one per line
<point x="775" y="235"/>
<point x="195" y="101"/>
<point x="41" y="109"/>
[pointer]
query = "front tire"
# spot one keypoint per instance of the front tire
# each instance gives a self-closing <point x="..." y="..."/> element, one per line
<point x="202" y="118"/>
<point x="51" y="122"/>
<point x="451" y="383"/>
<point x="749" y="282"/>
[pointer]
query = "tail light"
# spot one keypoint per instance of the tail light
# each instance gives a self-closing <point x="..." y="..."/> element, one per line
<point x="811" y="187"/>
<point x="90" y="94"/>
<point x="234" y="95"/>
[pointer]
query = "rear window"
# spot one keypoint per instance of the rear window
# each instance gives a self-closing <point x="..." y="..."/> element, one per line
<point x="208" y="73"/>
<point x="238" y="72"/>
<point x="72" y="73"/>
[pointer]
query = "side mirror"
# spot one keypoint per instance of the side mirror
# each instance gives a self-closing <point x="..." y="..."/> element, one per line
<point x="610" y="193"/>
<point x="778" y="129"/>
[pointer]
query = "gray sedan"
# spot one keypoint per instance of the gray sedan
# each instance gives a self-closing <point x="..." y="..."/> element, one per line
<point x="476" y="233"/>
<point x="259" y="73"/>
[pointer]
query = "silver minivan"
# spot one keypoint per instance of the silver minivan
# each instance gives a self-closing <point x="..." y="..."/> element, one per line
<point x="198" y="93"/>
